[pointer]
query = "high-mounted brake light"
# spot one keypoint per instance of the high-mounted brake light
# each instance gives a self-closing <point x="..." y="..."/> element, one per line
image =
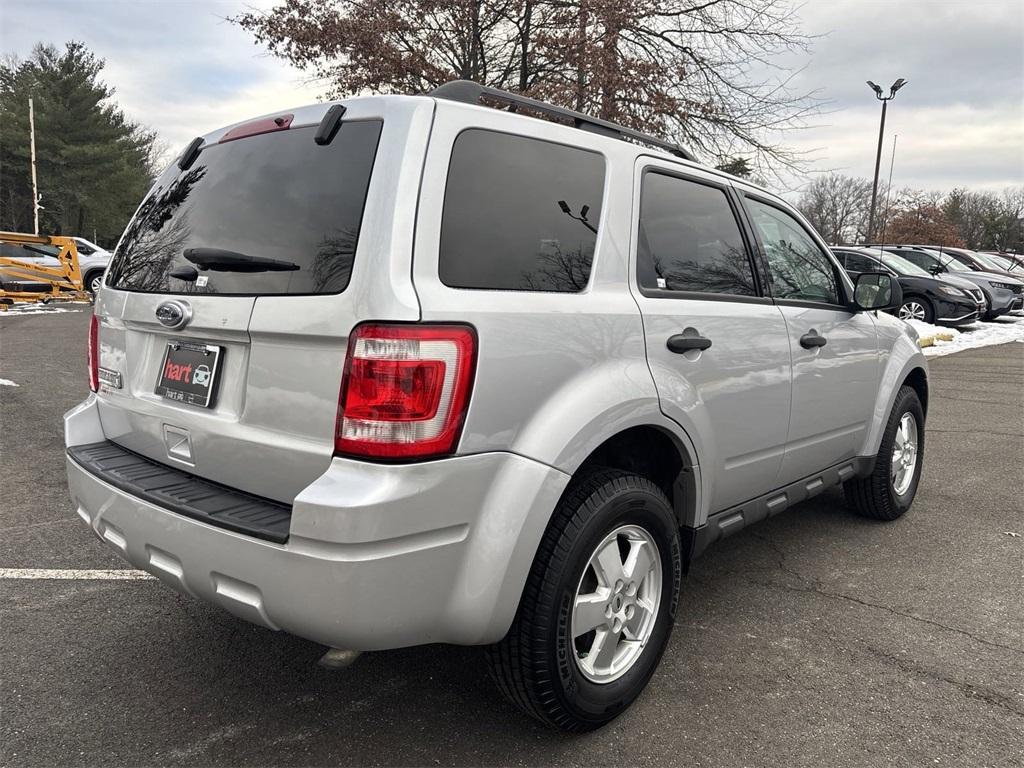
<point x="256" y="127"/>
<point x="405" y="390"/>
<point x="94" y="354"/>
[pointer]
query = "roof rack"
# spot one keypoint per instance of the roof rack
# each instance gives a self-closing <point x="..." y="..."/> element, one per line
<point x="470" y="93"/>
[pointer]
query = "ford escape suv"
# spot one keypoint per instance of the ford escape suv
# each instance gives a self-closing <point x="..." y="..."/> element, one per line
<point x="406" y="370"/>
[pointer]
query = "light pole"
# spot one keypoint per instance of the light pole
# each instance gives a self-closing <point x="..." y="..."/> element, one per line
<point x="878" y="156"/>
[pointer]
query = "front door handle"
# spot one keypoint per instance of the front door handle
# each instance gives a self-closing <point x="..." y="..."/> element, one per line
<point x="812" y="339"/>
<point x="682" y="343"/>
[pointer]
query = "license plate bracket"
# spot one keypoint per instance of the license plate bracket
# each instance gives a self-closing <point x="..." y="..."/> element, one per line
<point x="188" y="373"/>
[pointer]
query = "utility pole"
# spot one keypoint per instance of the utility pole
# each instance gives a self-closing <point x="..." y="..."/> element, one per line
<point x="35" y="188"/>
<point x="888" y="190"/>
<point x="878" y="156"/>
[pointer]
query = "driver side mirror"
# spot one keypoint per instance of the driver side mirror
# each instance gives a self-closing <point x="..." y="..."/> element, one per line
<point x="877" y="290"/>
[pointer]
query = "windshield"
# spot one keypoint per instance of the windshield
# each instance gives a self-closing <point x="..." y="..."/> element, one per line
<point x="989" y="261"/>
<point x="1007" y="264"/>
<point x="901" y="266"/>
<point x="273" y="197"/>
<point x="949" y="261"/>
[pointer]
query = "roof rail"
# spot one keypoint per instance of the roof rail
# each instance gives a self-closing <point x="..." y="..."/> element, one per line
<point x="469" y="92"/>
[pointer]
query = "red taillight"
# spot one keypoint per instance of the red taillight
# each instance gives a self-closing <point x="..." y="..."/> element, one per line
<point x="405" y="390"/>
<point x="94" y="354"/>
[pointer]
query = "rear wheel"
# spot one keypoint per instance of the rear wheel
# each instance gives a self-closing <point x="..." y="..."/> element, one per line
<point x="889" y="490"/>
<point x="917" y="308"/>
<point x="94" y="281"/>
<point x="598" y="606"/>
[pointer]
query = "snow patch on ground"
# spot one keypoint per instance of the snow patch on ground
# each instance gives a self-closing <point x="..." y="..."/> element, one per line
<point x="937" y="341"/>
<point x="17" y="310"/>
<point x="7" y="383"/>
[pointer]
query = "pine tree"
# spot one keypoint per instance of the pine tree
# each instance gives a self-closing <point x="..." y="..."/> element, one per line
<point x="93" y="164"/>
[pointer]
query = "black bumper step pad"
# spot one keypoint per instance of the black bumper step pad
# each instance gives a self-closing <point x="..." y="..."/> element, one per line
<point x="186" y="494"/>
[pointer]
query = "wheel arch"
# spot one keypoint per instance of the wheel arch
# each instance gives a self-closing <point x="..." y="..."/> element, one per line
<point x="904" y="365"/>
<point x="658" y="454"/>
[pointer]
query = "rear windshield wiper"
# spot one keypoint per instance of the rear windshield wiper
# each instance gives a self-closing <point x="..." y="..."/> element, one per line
<point x="231" y="261"/>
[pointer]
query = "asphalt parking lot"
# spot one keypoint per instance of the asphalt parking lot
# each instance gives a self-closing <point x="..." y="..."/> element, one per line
<point x="814" y="638"/>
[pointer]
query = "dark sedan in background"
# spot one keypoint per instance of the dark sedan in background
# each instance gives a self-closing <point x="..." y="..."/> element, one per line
<point x="943" y="301"/>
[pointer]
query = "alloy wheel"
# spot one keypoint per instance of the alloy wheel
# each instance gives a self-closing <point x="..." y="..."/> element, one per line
<point x="912" y="310"/>
<point x="616" y="604"/>
<point x="904" y="454"/>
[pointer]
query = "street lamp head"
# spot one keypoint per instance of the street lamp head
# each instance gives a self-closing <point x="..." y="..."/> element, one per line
<point x="896" y="86"/>
<point x="564" y="206"/>
<point x="876" y="88"/>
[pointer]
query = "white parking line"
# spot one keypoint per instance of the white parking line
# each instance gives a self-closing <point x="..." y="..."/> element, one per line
<point x="57" y="573"/>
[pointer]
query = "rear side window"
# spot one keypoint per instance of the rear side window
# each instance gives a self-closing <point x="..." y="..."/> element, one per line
<point x="276" y="198"/>
<point x="690" y="240"/>
<point x="855" y="262"/>
<point x="520" y="214"/>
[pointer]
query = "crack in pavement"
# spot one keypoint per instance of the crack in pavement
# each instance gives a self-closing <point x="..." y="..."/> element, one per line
<point x="976" y="432"/>
<point x="815" y="586"/>
<point x="971" y="691"/>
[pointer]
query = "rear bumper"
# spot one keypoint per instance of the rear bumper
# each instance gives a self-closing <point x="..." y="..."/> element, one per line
<point x="377" y="557"/>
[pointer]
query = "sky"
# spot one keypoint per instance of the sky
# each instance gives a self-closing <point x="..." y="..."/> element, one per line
<point x="180" y="68"/>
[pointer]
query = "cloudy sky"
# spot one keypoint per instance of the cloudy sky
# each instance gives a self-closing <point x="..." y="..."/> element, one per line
<point x="180" y="68"/>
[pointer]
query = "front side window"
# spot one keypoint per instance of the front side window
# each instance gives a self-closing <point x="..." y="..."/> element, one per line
<point x="520" y="214"/>
<point x="689" y="239"/>
<point x="800" y="270"/>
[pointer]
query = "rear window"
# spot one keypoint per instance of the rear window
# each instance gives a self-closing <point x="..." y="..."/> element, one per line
<point x="276" y="196"/>
<point x="520" y="214"/>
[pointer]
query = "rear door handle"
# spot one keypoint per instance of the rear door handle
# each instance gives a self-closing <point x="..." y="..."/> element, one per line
<point x="682" y="343"/>
<point x="811" y="339"/>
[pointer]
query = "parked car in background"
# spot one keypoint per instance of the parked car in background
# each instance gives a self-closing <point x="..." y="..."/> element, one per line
<point x="948" y="300"/>
<point x="1010" y="262"/>
<point x="979" y="262"/>
<point x="507" y="413"/>
<point x="1002" y="294"/>
<point x="92" y="261"/>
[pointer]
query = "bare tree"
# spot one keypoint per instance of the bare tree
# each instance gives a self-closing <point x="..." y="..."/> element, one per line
<point x="838" y="207"/>
<point x="678" y="68"/>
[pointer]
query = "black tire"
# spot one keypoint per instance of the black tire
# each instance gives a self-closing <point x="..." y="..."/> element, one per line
<point x="874" y="496"/>
<point x="926" y="305"/>
<point x="534" y="664"/>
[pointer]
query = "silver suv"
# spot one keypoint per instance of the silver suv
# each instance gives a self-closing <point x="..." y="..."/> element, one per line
<point x="408" y="370"/>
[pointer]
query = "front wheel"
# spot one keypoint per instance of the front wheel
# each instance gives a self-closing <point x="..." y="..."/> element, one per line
<point x="598" y="607"/>
<point x="889" y="490"/>
<point x="916" y="308"/>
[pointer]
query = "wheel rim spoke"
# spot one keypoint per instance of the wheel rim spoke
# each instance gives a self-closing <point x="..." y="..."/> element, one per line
<point x="605" y="645"/>
<point x="638" y="563"/>
<point x="608" y="564"/>
<point x="588" y="612"/>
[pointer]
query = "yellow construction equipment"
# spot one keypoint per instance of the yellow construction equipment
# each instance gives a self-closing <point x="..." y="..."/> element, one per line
<point x="63" y="282"/>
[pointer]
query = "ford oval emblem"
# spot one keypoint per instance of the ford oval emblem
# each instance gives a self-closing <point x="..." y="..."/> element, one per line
<point x="174" y="314"/>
